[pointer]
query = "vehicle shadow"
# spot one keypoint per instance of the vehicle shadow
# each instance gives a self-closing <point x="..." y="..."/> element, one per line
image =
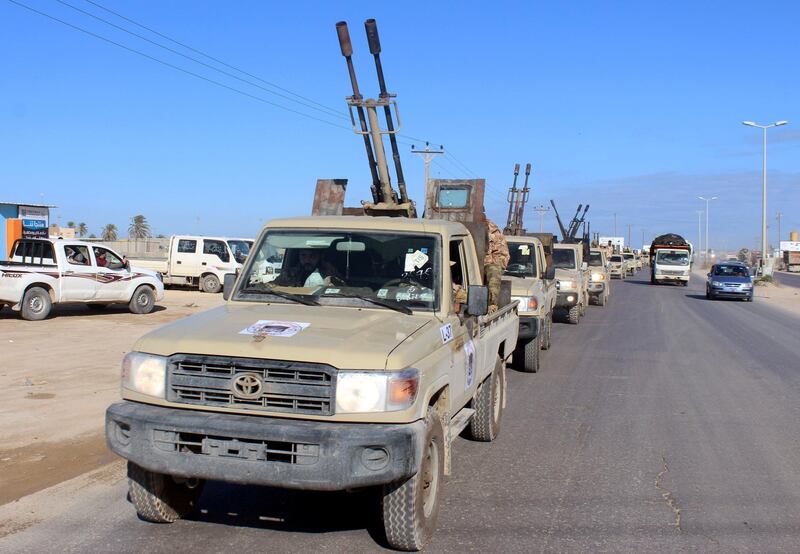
<point x="72" y="310"/>
<point x="697" y="296"/>
<point x="291" y="510"/>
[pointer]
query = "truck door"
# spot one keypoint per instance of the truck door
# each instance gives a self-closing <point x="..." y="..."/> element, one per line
<point x="215" y="254"/>
<point x="464" y="359"/>
<point x="113" y="279"/>
<point x="79" y="282"/>
<point x="183" y="258"/>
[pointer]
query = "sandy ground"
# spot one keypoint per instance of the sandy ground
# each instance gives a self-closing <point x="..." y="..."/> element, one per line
<point x="57" y="377"/>
<point x="786" y="298"/>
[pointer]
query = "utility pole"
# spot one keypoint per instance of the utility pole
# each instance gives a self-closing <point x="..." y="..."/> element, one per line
<point x="699" y="231"/>
<point x="707" y="200"/>
<point x="541" y="210"/>
<point x="615" y="225"/>
<point x="630" y="243"/>
<point x="642" y="239"/>
<point x="779" y="216"/>
<point x="428" y="155"/>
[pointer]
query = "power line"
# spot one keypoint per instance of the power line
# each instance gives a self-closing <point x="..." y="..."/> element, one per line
<point x="217" y="60"/>
<point x="204" y="64"/>
<point x="177" y="68"/>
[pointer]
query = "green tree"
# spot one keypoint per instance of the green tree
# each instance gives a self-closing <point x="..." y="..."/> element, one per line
<point x="109" y="232"/>
<point x="70" y="224"/>
<point x="92" y="236"/>
<point x="82" y="230"/>
<point x="139" y="228"/>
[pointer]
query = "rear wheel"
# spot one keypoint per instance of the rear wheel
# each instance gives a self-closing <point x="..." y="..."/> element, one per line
<point x="36" y="304"/>
<point x="410" y="508"/>
<point x="526" y="355"/>
<point x="210" y="283"/>
<point x="143" y="300"/>
<point x="485" y="423"/>
<point x="601" y="299"/>
<point x="161" y="498"/>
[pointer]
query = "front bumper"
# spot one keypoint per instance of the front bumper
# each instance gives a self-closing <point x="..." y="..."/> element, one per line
<point x="721" y="292"/>
<point x="528" y="327"/>
<point x="256" y="450"/>
<point x="567" y="299"/>
<point x="681" y="278"/>
<point x="597" y="288"/>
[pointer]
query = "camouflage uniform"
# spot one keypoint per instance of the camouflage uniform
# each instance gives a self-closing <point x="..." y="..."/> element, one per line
<point x="495" y="262"/>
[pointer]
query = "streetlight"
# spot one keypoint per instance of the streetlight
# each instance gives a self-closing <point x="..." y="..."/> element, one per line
<point x="764" y="192"/>
<point x="699" y="232"/>
<point x="707" y="200"/>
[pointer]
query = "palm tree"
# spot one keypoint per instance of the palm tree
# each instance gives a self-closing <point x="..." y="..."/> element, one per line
<point x="109" y="232"/>
<point x="82" y="230"/>
<point x="70" y="224"/>
<point x="139" y="228"/>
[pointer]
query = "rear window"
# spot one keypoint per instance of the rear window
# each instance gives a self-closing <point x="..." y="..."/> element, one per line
<point x="186" y="246"/>
<point x="34" y="252"/>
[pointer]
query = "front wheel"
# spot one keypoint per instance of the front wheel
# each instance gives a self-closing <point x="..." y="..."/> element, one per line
<point x="143" y="300"/>
<point x="527" y="355"/>
<point x="36" y="304"/>
<point x="547" y="337"/>
<point x="601" y="299"/>
<point x="574" y="315"/>
<point x="210" y="283"/>
<point x="410" y="508"/>
<point x="161" y="498"/>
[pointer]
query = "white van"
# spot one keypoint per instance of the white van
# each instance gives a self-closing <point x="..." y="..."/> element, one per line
<point x="199" y="261"/>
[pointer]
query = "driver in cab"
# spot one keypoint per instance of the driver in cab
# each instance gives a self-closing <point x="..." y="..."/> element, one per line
<point x="309" y="271"/>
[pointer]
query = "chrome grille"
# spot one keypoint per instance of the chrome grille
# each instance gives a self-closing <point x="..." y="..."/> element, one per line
<point x="288" y="387"/>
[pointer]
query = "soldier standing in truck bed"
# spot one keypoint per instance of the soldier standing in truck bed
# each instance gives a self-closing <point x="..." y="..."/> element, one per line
<point x="495" y="261"/>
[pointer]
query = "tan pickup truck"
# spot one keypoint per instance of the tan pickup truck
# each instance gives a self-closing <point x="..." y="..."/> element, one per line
<point x="599" y="277"/>
<point x="572" y="272"/>
<point x="355" y="370"/>
<point x="533" y="285"/>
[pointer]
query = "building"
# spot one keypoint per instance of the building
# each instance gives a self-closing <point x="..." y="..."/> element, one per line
<point x="20" y="220"/>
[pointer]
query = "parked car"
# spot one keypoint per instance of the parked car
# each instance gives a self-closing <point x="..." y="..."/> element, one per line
<point x="43" y="272"/>
<point x="729" y="280"/>
<point x="617" y="266"/>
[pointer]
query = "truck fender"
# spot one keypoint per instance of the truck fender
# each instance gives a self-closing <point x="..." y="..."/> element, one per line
<point x="18" y="306"/>
<point x="438" y="396"/>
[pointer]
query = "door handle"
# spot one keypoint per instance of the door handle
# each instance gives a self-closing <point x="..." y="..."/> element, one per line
<point x="178" y="262"/>
<point x="204" y="263"/>
<point x="69" y="272"/>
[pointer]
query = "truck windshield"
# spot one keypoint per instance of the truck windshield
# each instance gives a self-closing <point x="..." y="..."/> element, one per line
<point x="351" y="268"/>
<point x="563" y="258"/>
<point x="240" y="249"/>
<point x="522" y="262"/>
<point x="616" y="258"/>
<point x="595" y="259"/>
<point x="672" y="257"/>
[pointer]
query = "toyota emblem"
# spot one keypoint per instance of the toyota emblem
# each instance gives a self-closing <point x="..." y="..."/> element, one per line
<point x="247" y="386"/>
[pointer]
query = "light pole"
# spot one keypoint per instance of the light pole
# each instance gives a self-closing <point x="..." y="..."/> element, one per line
<point x="699" y="231"/>
<point x="541" y="210"/>
<point x="764" y="191"/>
<point x="707" y="200"/>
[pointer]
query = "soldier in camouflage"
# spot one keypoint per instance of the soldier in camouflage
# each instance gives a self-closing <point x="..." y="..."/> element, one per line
<point x="494" y="262"/>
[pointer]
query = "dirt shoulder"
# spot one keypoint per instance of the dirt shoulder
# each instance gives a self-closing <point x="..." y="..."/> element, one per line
<point x="58" y="376"/>
<point x="786" y="298"/>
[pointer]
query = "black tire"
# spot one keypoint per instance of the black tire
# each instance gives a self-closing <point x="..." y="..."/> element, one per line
<point x="547" y="336"/>
<point x="210" y="283"/>
<point x="601" y="299"/>
<point x="143" y="300"/>
<point x="527" y="355"/>
<point x="36" y="304"/>
<point x="574" y="315"/>
<point x="410" y="508"/>
<point x="485" y="423"/>
<point x="161" y="498"/>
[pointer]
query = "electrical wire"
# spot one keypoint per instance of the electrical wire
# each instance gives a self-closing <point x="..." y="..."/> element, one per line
<point x="177" y="68"/>
<point x="217" y="60"/>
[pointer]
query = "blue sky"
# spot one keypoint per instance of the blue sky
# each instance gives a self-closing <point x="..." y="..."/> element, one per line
<point x="632" y="107"/>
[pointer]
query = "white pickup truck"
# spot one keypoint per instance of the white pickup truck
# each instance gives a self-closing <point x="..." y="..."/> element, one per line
<point x="43" y="272"/>
<point x="199" y="261"/>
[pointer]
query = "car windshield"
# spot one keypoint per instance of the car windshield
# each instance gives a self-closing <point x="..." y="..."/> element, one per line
<point x="672" y="258"/>
<point x="350" y="268"/>
<point x="563" y="258"/>
<point x="616" y="258"/>
<point x="522" y="262"/>
<point x="731" y="271"/>
<point x="628" y="256"/>
<point x="240" y="249"/>
<point x="595" y="259"/>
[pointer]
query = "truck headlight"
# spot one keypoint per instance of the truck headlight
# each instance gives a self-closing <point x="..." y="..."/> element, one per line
<point x="598" y="277"/>
<point x="567" y="285"/>
<point x="144" y="373"/>
<point x="526" y="303"/>
<point x="372" y="391"/>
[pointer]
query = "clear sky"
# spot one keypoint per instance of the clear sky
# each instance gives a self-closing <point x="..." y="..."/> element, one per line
<point x="632" y="107"/>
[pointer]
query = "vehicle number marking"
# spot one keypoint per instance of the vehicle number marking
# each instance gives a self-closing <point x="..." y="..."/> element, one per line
<point x="447" y="333"/>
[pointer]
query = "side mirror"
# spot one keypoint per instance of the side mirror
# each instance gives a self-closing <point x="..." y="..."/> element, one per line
<point x="550" y="273"/>
<point x="477" y="300"/>
<point x="584" y="266"/>
<point x="125" y="263"/>
<point x="227" y="285"/>
<point x="708" y="274"/>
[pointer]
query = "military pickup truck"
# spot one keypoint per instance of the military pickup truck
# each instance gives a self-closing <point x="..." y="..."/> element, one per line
<point x="358" y="369"/>
<point x="533" y="285"/>
<point x="43" y="272"/>
<point x="599" y="277"/>
<point x="572" y="273"/>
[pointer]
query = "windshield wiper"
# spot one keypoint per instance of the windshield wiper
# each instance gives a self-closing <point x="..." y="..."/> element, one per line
<point x="391" y="304"/>
<point x="286" y="295"/>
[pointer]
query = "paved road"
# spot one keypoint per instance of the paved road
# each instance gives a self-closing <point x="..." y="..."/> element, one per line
<point x="663" y="422"/>
<point x="789" y="279"/>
